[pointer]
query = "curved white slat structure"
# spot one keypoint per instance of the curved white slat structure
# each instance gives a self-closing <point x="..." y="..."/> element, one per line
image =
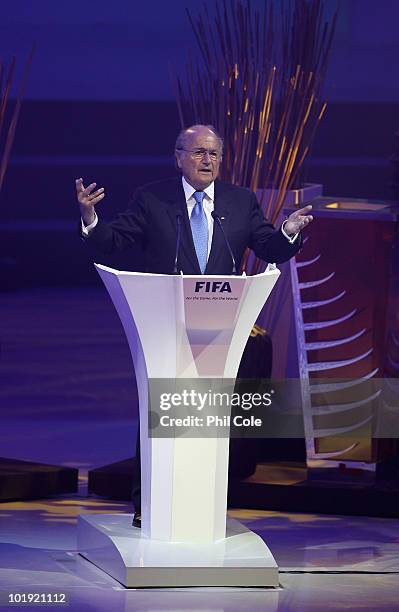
<point x="318" y="303"/>
<point x="310" y="387"/>
<point x="336" y="408"/>
<point x="309" y="262"/>
<point x="339" y="386"/>
<point x="331" y="365"/>
<point x="316" y="283"/>
<point x="324" y="324"/>
<point x="337" y="431"/>
<point x="314" y="346"/>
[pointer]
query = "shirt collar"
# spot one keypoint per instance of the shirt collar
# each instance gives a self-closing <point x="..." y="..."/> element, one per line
<point x="189" y="190"/>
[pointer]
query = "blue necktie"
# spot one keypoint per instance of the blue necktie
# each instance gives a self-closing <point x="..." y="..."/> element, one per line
<point x="199" y="228"/>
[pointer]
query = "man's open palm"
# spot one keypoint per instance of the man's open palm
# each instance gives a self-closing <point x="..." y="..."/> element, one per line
<point x="87" y="199"/>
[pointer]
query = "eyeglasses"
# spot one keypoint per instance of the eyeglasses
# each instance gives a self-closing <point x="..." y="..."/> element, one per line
<point x="200" y="153"/>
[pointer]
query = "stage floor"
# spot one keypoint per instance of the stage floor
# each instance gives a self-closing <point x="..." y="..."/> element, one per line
<point x="326" y="562"/>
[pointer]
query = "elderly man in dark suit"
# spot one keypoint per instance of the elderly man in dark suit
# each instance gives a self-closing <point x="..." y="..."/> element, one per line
<point x="193" y="223"/>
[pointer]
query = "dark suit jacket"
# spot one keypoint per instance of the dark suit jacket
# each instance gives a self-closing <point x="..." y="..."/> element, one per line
<point x="151" y="222"/>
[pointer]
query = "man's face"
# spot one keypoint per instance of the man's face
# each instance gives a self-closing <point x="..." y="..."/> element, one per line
<point x="200" y="159"/>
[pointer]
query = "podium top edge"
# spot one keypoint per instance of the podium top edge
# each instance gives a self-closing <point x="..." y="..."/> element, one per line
<point x="267" y="272"/>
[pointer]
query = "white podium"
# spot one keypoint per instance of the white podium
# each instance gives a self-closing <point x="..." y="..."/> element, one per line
<point x="182" y="327"/>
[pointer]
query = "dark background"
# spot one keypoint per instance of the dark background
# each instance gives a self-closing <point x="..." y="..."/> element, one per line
<point x="99" y="104"/>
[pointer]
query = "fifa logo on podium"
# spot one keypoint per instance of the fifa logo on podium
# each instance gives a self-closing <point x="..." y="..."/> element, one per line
<point x="212" y="287"/>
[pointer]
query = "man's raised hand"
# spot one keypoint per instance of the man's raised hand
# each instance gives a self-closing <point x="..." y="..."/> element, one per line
<point x="87" y="199"/>
<point x="298" y="220"/>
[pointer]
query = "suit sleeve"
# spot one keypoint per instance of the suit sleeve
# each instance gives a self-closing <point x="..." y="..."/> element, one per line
<point x="128" y="229"/>
<point x="267" y="242"/>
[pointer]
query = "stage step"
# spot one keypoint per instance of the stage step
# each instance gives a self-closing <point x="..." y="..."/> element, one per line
<point x="20" y="480"/>
<point x="280" y="486"/>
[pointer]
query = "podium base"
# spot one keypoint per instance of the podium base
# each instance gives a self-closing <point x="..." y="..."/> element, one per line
<point x="122" y="551"/>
